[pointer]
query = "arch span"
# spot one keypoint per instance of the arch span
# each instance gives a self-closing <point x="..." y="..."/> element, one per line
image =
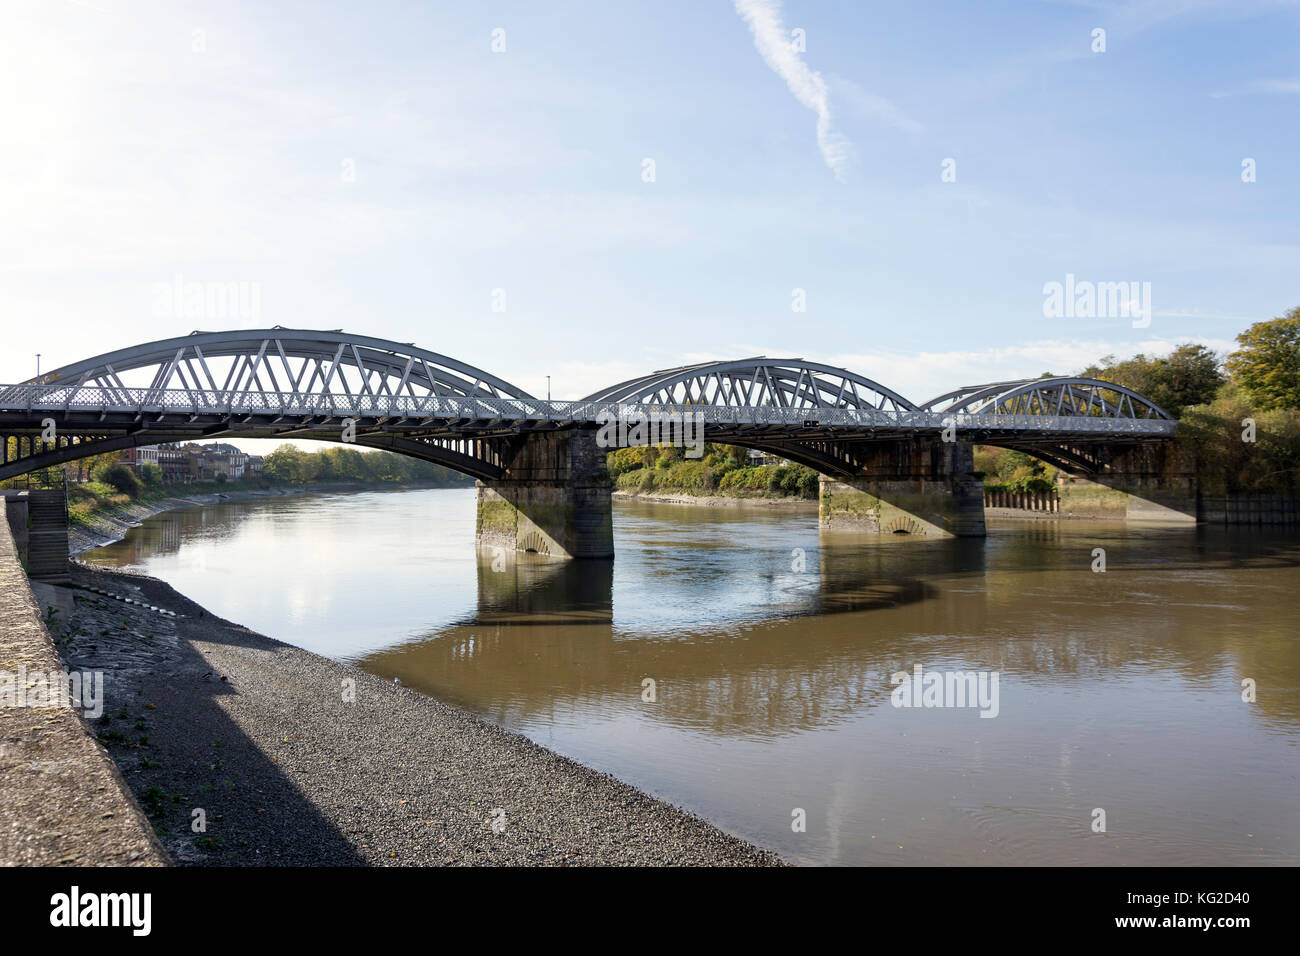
<point x="756" y="382"/>
<point x="1061" y="396"/>
<point x="222" y="365"/>
<point x="262" y="383"/>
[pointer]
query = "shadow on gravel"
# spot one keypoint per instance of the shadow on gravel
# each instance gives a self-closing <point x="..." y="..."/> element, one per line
<point x="214" y="797"/>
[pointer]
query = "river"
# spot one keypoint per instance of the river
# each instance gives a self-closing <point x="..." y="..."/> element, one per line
<point x="741" y="663"/>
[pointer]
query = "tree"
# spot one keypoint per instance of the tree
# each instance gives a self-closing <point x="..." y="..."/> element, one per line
<point x="286" y="463"/>
<point x="121" y="478"/>
<point x="1007" y="466"/>
<point x="1226" y="463"/>
<point x="151" y="476"/>
<point x="1267" y="365"/>
<point x="92" y="464"/>
<point x="1189" y="375"/>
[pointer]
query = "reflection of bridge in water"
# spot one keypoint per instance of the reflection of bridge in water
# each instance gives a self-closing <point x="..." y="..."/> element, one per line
<point x="887" y="464"/>
<point x="545" y="636"/>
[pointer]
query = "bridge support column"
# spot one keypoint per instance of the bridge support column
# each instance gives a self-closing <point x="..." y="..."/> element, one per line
<point x="916" y="486"/>
<point x="554" y="498"/>
<point x="1155" y="482"/>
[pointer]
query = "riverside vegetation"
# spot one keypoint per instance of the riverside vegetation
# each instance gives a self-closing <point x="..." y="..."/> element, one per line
<point x="724" y="471"/>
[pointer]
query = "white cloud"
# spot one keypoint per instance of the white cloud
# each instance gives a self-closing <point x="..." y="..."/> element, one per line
<point x="772" y="41"/>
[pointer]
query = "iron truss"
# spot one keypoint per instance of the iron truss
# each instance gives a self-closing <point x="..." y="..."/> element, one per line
<point x="757" y="383"/>
<point x="1059" y="397"/>
<point x="285" y="383"/>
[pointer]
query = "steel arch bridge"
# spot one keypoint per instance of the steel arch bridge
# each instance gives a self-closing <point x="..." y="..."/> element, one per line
<point x="292" y="383"/>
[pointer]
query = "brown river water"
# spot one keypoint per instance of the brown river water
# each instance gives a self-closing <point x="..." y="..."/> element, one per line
<point x="777" y="654"/>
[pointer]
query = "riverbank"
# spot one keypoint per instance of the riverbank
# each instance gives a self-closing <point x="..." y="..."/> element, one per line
<point x="1024" y="514"/>
<point x="719" y="501"/>
<point x="295" y="759"/>
<point x="107" y="525"/>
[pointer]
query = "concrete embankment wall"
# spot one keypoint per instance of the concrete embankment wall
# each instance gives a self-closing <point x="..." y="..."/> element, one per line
<point x="63" y="801"/>
<point x="1087" y="500"/>
<point x="1250" y="509"/>
<point x="15" y="505"/>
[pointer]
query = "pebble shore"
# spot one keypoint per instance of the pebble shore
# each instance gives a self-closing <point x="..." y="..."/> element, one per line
<point x="289" y="758"/>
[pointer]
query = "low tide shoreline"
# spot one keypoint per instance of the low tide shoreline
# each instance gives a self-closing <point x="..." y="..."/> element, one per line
<point x="209" y="720"/>
<point x="718" y="501"/>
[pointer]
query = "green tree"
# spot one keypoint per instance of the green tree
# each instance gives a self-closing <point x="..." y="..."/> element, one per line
<point x="1267" y="365"/>
<point x="286" y="463"/>
<point x="151" y="476"/>
<point x="1226" y="462"/>
<point x="1189" y="375"/>
<point x="121" y="478"/>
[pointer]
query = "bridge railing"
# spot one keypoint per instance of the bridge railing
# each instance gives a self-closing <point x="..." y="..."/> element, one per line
<point x="149" y="401"/>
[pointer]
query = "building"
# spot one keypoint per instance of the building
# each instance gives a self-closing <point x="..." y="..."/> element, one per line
<point x="175" y="464"/>
<point x="227" y="460"/>
<point x="757" y="457"/>
<point x="200" y="463"/>
<point x="188" y="462"/>
<point x="138" y="457"/>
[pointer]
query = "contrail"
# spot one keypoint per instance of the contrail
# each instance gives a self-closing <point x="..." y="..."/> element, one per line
<point x="773" y="43"/>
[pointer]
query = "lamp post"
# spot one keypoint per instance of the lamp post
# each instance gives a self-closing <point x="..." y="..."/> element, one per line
<point x="548" y="388"/>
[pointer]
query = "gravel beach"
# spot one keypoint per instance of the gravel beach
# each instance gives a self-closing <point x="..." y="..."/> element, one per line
<point x="211" y="722"/>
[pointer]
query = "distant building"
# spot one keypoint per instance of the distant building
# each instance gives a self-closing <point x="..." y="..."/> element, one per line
<point x="188" y="462"/>
<point x="140" y="456"/>
<point x="757" y="457"/>
<point x="227" y="460"/>
<point x="175" y="464"/>
<point x="200" y="464"/>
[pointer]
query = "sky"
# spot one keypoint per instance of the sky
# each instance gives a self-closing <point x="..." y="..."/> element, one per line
<point x="594" y="190"/>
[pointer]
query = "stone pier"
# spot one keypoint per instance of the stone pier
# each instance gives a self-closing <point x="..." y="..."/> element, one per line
<point x="554" y="498"/>
<point x="917" y="486"/>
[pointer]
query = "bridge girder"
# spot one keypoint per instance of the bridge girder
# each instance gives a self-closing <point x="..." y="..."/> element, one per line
<point x="478" y="457"/>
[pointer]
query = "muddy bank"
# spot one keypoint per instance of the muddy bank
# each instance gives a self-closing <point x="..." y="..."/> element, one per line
<point x="289" y="758"/>
<point x="719" y="501"/>
<point x="1024" y="514"/>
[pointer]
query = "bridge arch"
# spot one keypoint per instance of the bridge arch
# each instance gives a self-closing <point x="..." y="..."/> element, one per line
<point x="278" y="360"/>
<point x="761" y="381"/>
<point x="261" y="383"/>
<point x="1061" y="396"/>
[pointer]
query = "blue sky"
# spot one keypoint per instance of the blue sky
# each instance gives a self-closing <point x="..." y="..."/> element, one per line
<point x="377" y="167"/>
